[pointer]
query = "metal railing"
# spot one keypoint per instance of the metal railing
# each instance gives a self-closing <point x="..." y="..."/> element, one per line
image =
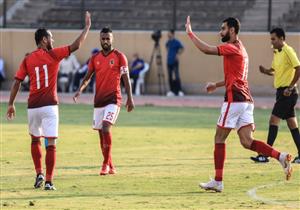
<point x="255" y="15"/>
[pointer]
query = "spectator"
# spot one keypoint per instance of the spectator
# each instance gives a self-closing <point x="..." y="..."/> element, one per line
<point x="136" y="67"/>
<point x="26" y="83"/>
<point x="81" y="73"/>
<point x="2" y="71"/>
<point x="67" y="68"/>
<point x="174" y="48"/>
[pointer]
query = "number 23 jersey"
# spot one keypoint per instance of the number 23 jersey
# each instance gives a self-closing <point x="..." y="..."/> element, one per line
<point x="42" y="67"/>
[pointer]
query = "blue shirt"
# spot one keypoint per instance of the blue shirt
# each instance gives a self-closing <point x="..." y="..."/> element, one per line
<point x="173" y="46"/>
<point x="135" y="63"/>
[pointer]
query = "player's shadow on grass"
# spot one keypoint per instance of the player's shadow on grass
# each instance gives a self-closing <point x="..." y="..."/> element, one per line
<point x="53" y="195"/>
<point x="78" y="167"/>
<point x="126" y="166"/>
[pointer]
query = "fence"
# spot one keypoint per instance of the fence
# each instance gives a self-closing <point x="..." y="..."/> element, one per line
<point x="255" y="15"/>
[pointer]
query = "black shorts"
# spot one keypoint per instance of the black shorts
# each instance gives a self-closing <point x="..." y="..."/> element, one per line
<point x="284" y="107"/>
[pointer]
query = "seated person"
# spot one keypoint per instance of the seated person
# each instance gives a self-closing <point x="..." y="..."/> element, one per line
<point x="136" y="67"/>
<point x="2" y="71"/>
<point x="26" y="83"/>
<point x="67" y="69"/>
<point x="81" y="73"/>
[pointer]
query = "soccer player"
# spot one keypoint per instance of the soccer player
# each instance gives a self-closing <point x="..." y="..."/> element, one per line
<point x="42" y="68"/>
<point x="286" y="71"/>
<point x="109" y="66"/>
<point x="237" y="109"/>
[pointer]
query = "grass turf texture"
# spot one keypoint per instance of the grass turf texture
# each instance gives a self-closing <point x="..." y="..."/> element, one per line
<point x="161" y="155"/>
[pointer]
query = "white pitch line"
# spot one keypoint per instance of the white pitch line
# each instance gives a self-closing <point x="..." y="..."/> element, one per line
<point x="254" y="196"/>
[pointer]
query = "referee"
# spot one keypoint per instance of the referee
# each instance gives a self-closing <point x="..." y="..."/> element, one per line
<point x="286" y="71"/>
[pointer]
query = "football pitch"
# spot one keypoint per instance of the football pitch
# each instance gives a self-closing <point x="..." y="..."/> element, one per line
<point x="161" y="155"/>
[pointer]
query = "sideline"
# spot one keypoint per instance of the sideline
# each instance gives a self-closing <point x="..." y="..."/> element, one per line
<point x="254" y="196"/>
<point x="197" y="101"/>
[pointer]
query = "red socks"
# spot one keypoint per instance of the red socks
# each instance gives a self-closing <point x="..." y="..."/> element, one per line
<point x="102" y="148"/>
<point x="101" y="141"/>
<point x="107" y="139"/>
<point x="50" y="161"/>
<point x="219" y="158"/>
<point x="264" y="149"/>
<point x="36" y="154"/>
<point x="257" y="146"/>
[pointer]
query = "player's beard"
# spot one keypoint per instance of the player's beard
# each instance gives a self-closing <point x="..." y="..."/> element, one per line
<point x="49" y="46"/>
<point x="226" y="38"/>
<point x="106" y="47"/>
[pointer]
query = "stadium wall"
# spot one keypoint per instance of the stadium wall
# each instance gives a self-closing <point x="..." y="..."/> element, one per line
<point x="195" y="67"/>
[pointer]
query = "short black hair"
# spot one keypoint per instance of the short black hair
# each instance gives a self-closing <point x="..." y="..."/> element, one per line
<point x="279" y="32"/>
<point x="172" y="31"/>
<point x="233" y="23"/>
<point x="106" y="29"/>
<point x="40" y="33"/>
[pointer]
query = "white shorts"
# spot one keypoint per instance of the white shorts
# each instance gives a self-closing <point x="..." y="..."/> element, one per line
<point x="43" y="121"/>
<point x="108" y="113"/>
<point x="236" y="115"/>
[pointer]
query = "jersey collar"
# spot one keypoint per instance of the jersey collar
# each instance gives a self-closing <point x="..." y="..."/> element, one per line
<point x="279" y="50"/>
<point x="108" y="53"/>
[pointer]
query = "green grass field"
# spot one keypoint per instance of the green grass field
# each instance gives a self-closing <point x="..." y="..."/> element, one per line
<point x="161" y="155"/>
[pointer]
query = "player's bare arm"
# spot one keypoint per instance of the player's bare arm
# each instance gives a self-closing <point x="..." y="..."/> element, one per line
<point x="212" y="86"/>
<point x="86" y="80"/>
<point x="201" y="45"/>
<point x="129" y="103"/>
<point x="77" y="43"/>
<point x="288" y="90"/>
<point x="266" y="71"/>
<point x="11" y="110"/>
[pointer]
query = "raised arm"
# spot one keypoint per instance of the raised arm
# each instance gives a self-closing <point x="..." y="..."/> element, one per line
<point x="266" y="71"/>
<point x="201" y="45"/>
<point x="77" y="43"/>
<point x="86" y="80"/>
<point x="11" y="110"/>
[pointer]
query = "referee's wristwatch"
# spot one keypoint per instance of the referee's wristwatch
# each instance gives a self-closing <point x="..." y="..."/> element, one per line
<point x="290" y="88"/>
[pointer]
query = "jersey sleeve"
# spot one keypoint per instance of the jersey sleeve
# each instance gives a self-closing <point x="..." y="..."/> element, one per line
<point x="22" y="71"/>
<point x="61" y="52"/>
<point x="227" y="49"/>
<point x="293" y="59"/>
<point x="123" y="64"/>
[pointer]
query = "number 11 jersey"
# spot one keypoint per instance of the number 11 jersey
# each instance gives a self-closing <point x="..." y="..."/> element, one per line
<point x="42" y="67"/>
